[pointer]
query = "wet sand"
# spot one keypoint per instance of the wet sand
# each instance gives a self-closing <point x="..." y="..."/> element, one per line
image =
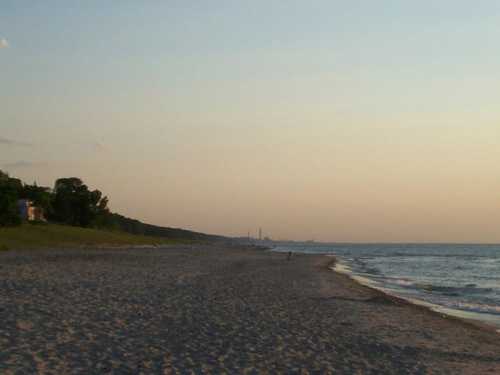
<point x="212" y="309"/>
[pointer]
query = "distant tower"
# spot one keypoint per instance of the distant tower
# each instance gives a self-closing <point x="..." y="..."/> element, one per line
<point x="260" y="234"/>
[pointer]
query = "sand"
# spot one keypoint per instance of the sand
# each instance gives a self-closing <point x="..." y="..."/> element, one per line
<point x="216" y="309"/>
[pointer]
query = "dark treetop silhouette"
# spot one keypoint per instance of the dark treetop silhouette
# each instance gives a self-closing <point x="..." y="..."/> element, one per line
<point x="71" y="202"/>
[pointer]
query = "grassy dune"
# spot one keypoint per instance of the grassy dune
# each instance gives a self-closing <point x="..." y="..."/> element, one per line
<point x="30" y="236"/>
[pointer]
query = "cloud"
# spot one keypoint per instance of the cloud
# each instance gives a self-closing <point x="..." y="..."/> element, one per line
<point x="23" y="164"/>
<point x="13" y="142"/>
<point x="4" y="43"/>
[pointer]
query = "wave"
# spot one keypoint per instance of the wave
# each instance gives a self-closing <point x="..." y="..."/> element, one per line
<point x="401" y="282"/>
<point x="474" y="307"/>
<point x="433" y="254"/>
<point x="452" y="290"/>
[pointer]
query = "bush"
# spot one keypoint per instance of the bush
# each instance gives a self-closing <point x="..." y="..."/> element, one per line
<point x="8" y="208"/>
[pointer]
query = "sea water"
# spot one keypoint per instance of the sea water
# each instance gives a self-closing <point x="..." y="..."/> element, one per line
<point x="461" y="280"/>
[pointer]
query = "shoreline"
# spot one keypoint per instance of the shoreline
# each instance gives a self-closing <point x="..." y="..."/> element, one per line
<point x="217" y="309"/>
<point x="335" y="266"/>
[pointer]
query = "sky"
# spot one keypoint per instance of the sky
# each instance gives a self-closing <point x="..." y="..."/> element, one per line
<point x="356" y="121"/>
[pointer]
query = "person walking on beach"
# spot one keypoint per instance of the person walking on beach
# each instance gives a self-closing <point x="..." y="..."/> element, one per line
<point x="289" y="256"/>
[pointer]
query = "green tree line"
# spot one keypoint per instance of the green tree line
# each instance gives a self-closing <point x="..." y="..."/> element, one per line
<point x="71" y="202"/>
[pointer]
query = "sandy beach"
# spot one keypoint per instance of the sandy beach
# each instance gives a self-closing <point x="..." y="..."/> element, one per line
<point x="216" y="309"/>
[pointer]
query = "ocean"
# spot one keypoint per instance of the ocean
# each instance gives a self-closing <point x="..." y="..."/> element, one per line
<point x="460" y="280"/>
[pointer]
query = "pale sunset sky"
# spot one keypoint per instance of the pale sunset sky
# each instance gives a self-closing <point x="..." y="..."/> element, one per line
<point x="362" y="121"/>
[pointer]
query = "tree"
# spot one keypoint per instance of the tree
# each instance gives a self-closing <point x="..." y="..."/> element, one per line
<point x="9" y="194"/>
<point x="75" y="204"/>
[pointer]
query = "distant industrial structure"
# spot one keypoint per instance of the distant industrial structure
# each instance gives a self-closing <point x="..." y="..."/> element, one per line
<point x="259" y="238"/>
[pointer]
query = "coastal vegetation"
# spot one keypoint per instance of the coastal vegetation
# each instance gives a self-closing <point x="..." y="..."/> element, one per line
<point x="29" y="236"/>
<point x="72" y="204"/>
<point x="10" y="189"/>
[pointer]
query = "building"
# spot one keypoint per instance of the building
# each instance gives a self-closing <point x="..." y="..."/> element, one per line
<point x="29" y="212"/>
